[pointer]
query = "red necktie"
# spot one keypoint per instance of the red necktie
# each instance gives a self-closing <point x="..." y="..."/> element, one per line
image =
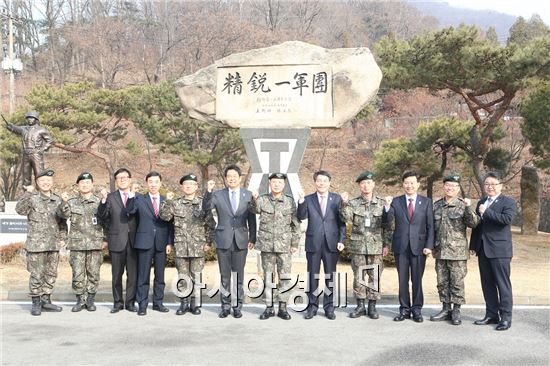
<point x="125" y="198"/>
<point x="155" y="207"/>
<point x="410" y="208"/>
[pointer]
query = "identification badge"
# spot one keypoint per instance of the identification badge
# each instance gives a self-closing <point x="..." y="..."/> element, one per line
<point x="367" y="222"/>
<point x="94" y="220"/>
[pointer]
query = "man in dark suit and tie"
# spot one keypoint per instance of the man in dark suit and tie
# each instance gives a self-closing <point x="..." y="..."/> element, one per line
<point x="153" y="241"/>
<point x="491" y="241"/>
<point x="120" y="236"/>
<point x="325" y="236"/>
<point x="413" y="239"/>
<point x="235" y="233"/>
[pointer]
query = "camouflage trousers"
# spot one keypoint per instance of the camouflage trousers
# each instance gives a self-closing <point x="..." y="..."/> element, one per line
<point x="450" y="280"/>
<point x="190" y="266"/>
<point x="280" y="263"/>
<point x="42" y="267"/>
<point x="86" y="266"/>
<point x="360" y="288"/>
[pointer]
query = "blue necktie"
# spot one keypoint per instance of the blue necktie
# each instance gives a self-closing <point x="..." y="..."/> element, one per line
<point x="234" y="201"/>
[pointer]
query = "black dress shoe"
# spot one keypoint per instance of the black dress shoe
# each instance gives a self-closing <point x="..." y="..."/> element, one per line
<point x="161" y="308"/>
<point x="486" y="321"/>
<point x="131" y="308"/>
<point x="116" y="309"/>
<point x="418" y="318"/>
<point x="268" y="313"/>
<point x="142" y="312"/>
<point x="237" y="313"/>
<point x="310" y="313"/>
<point x="504" y="325"/>
<point x="401" y="317"/>
<point x="224" y="313"/>
<point x="330" y="314"/>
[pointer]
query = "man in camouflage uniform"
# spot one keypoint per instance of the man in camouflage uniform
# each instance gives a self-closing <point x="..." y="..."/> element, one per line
<point x="85" y="241"/>
<point x="452" y="215"/>
<point x="278" y="237"/>
<point x="369" y="242"/>
<point x="36" y="141"/>
<point x="193" y="225"/>
<point x="42" y="243"/>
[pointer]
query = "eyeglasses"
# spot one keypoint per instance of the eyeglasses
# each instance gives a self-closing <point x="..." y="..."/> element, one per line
<point x="492" y="184"/>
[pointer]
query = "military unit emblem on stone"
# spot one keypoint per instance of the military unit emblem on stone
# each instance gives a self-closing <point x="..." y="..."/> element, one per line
<point x="378" y="225"/>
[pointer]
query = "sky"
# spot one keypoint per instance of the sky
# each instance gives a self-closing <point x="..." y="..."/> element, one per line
<point x="524" y="8"/>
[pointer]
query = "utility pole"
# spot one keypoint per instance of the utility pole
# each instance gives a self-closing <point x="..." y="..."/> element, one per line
<point x="11" y="65"/>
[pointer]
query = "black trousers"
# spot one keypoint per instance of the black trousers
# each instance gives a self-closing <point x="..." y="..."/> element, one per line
<point x="496" y="285"/>
<point x="127" y="259"/>
<point x="410" y="267"/>
<point x="146" y="258"/>
<point x="314" y="260"/>
<point x="231" y="260"/>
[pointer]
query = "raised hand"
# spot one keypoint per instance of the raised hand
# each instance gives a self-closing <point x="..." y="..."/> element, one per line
<point x="210" y="185"/>
<point x="345" y="196"/>
<point x="170" y="195"/>
<point x="65" y="197"/>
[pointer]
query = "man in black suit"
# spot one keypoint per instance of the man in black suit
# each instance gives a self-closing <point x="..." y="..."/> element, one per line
<point x="413" y="239"/>
<point x="235" y="233"/>
<point x="325" y="236"/>
<point x="120" y="236"/>
<point x="491" y="241"/>
<point x="153" y="242"/>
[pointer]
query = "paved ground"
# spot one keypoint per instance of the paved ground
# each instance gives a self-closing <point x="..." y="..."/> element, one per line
<point x="101" y="338"/>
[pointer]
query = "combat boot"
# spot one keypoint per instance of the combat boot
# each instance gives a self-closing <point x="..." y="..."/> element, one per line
<point x="195" y="310"/>
<point x="80" y="304"/>
<point x="372" y="313"/>
<point x="359" y="310"/>
<point x="455" y="315"/>
<point x="47" y="304"/>
<point x="90" y="302"/>
<point x="444" y="314"/>
<point x="268" y="313"/>
<point x="283" y="313"/>
<point x="184" y="306"/>
<point x="36" y="309"/>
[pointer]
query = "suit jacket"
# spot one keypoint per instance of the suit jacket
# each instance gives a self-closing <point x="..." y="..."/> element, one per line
<point x="418" y="232"/>
<point x="151" y="231"/>
<point x="240" y="226"/>
<point x="121" y="227"/>
<point x="330" y="227"/>
<point x="494" y="229"/>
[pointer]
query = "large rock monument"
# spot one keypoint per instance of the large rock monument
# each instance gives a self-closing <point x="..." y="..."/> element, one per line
<point x="275" y="95"/>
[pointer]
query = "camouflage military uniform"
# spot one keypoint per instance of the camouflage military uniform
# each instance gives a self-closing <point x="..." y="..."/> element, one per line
<point x="85" y="241"/>
<point x="42" y="245"/>
<point x="193" y="228"/>
<point x="279" y="230"/>
<point x="451" y="246"/>
<point x="368" y="237"/>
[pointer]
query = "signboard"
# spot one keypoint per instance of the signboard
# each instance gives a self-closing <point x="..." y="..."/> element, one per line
<point x="284" y="95"/>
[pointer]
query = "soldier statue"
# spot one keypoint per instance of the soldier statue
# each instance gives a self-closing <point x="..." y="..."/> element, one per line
<point x="36" y="140"/>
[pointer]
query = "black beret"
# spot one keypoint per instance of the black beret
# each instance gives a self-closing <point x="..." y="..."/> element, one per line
<point x="44" y="173"/>
<point x="190" y="176"/>
<point x="364" y="176"/>
<point x="452" y="178"/>
<point x="84" y="175"/>
<point x="277" y="176"/>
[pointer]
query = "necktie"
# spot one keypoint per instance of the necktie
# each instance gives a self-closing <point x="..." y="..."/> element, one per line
<point x="155" y="206"/>
<point x="125" y="198"/>
<point x="489" y="202"/>
<point x="410" y="209"/>
<point x="323" y="205"/>
<point x="234" y="201"/>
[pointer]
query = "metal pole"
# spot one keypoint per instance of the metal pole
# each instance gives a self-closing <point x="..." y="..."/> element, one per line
<point x="10" y="55"/>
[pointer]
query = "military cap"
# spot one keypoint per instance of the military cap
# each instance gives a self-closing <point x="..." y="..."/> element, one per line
<point x="190" y="176"/>
<point x="45" y="173"/>
<point x="32" y="114"/>
<point x="453" y="177"/>
<point x="277" y="176"/>
<point x="84" y="175"/>
<point x="364" y="176"/>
